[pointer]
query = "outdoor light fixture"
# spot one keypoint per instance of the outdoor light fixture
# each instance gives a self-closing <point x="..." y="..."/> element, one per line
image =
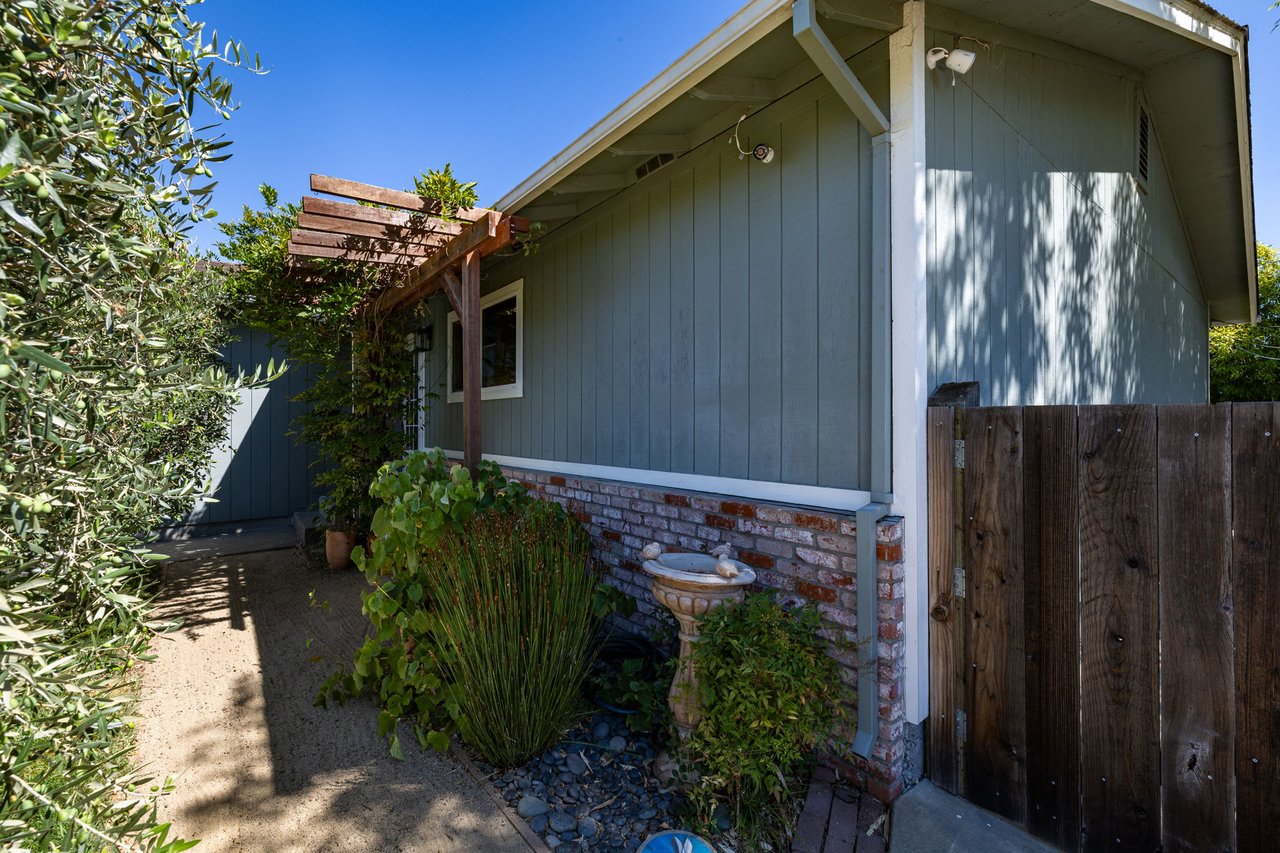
<point x="761" y="152"/>
<point x="959" y="61"/>
<point x="424" y="339"/>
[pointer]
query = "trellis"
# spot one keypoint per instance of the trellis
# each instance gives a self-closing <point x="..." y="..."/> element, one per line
<point x="408" y="232"/>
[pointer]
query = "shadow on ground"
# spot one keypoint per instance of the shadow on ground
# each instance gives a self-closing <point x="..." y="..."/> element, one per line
<point x="229" y="704"/>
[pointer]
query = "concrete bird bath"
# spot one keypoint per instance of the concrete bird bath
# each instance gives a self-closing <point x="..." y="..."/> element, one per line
<point x="689" y="585"/>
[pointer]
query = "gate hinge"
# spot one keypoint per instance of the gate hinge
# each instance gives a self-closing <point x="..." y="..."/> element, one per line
<point x="957" y="582"/>
<point x="959" y="454"/>
<point x="962" y="726"/>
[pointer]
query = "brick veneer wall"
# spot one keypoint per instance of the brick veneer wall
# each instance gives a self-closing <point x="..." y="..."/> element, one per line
<point x="803" y="555"/>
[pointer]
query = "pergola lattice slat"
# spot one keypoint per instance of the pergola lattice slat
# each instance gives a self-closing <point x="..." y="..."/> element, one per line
<point x="308" y="237"/>
<point x="379" y="216"/>
<point x="434" y="252"/>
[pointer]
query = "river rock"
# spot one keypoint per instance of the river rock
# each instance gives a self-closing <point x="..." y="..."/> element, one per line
<point x="531" y="807"/>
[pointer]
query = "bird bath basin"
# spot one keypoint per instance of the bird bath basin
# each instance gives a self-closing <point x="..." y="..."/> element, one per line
<point x="689" y="585"/>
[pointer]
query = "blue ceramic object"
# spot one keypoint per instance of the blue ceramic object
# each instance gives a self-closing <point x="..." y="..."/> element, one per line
<point x="676" y="841"/>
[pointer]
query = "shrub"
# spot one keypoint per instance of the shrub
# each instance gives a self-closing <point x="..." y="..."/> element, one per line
<point x="109" y="398"/>
<point x="511" y="597"/>
<point x="1244" y="360"/>
<point x="770" y="694"/>
<point x="420" y="496"/>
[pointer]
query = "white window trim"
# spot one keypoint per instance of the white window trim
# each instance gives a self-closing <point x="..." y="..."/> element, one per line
<point x="495" y="392"/>
<point x="822" y="497"/>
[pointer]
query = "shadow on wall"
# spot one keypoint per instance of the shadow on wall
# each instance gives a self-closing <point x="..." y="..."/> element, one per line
<point x="262" y="761"/>
<point x="262" y="471"/>
<point x="1053" y="277"/>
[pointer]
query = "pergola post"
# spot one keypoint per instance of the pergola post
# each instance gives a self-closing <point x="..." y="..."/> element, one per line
<point x="471" y="354"/>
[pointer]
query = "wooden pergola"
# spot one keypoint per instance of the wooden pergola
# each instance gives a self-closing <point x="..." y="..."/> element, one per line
<point x="434" y="252"/>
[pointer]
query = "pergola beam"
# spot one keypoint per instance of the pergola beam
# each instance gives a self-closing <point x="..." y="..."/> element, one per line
<point x="471" y="356"/>
<point x="340" y="254"/>
<point x="421" y="281"/>
<point x="377" y="216"/>
<point x="369" y="230"/>
<point x="391" y="198"/>
<point x="305" y="237"/>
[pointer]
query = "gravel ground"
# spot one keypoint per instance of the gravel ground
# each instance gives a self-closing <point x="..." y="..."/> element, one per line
<point x="593" y="790"/>
<point x="228" y="704"/>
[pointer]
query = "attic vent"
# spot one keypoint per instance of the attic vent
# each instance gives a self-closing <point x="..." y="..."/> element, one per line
<point x="1144" y="145"/>
<point x="653" y="164"/>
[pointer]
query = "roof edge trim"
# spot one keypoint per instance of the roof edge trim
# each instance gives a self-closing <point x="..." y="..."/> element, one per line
<point x="1192" y="21"/>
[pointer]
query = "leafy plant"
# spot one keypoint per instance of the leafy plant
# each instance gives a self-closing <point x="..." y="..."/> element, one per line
<point x="511" y="597"/>
<point x="639" y="686"/>
<point x="770" y="694"/>
<point x="1244" y="360"/>
<point x="364" y="370"/>
<point x="110" y="396"/>
<point x="420" y="496"/>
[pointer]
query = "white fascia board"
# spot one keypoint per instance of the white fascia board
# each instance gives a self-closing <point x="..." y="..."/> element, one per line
<point x="1183" y="18"/>
<point x="727" y="41"/>
<point x="845" y="500"/>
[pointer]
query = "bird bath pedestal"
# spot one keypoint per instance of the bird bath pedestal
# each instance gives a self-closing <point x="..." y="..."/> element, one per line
<point x="689" y="586"/>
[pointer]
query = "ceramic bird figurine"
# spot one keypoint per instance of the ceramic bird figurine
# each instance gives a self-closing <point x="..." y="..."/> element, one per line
<point x="725" y="567"/>
<point x="651" y="551"/>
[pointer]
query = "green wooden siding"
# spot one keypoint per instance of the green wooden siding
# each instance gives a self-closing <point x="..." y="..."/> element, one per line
<point x="711" y="319"/>
<point x="1052" y="277"/>
<point x="261" y="471"/>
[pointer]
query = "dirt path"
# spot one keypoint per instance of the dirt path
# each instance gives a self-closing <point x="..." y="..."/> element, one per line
<point x="228" y="703"/>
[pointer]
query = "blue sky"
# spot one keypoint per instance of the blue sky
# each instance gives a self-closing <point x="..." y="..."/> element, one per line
<point x="379" y="91"/>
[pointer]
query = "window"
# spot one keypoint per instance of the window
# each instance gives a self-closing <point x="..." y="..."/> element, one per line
<point x="1142" y="154"/>
<point x="501" y="346"/>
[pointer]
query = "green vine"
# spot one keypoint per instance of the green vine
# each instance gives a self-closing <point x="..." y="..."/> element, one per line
<point x="362" y="364"/>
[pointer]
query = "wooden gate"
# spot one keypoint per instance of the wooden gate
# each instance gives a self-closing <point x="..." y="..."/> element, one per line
<point x="1105" y="632"/>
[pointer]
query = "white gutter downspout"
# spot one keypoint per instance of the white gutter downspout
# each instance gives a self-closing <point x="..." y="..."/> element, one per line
<point x="824" y="55"/>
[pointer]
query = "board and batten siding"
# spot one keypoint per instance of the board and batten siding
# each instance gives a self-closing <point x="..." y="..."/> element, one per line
<point x="1053" y="278"/>
<point x="261" y="471"/>
<point x="712" y="319"/>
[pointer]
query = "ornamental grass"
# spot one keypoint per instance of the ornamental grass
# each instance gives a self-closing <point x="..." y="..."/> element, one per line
<point x="512" y="596"/>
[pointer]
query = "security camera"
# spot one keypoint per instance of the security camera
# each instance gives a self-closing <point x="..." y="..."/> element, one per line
<point x="763" y="153"/>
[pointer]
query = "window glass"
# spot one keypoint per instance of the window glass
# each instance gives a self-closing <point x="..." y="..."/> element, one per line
<point x="499" y="347"/>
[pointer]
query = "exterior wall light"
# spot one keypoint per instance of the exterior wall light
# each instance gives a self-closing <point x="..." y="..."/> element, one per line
<point x="959" y="61"/>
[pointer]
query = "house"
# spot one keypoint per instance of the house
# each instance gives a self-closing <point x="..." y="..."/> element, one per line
<point x="759" y="266"/>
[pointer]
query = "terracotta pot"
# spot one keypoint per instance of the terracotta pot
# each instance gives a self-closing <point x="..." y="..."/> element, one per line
<point x="338" y="545"/>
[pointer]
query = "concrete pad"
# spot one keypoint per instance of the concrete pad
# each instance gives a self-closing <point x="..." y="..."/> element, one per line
<point x="927" y="819"/>
<point x="227" y="543"/>
<point x="228" y="705"/>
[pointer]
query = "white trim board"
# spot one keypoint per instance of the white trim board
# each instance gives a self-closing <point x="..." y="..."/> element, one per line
<point x="787" y="493"/>
<point x="910" y="308"/>
<point x="493" y="392"/>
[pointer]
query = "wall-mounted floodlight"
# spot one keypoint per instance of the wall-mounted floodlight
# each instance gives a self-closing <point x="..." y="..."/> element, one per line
<point x="959" y="61"/>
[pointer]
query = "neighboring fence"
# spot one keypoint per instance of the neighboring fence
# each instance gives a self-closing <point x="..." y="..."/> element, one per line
<point x="262" y="472"/>
<point x="1104" y="644"/>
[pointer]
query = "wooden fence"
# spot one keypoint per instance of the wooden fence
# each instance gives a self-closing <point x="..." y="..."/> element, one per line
<point x="1105" y="632"/>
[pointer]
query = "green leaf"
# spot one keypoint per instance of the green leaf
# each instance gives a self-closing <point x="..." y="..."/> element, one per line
<point x="439" y="740"/>
<point x="22" y="219"/>
<point x="42" y="358"/>
<point x="396" y="751"/>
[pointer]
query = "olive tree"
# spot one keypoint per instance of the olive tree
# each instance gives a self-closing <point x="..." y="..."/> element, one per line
<point x="110" y="393"/>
